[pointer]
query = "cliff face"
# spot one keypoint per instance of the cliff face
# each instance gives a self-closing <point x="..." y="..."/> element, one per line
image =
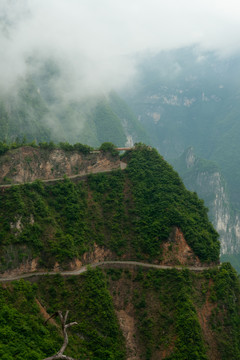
<point x="27" y="164"/>
<point x="205" y="178"/>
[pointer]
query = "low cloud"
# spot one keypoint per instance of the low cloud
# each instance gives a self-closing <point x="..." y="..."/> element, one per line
<point x="94" y="41"/>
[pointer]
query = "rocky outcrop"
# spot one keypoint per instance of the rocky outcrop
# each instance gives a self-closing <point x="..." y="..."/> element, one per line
<point x="32" y="265"/>
<point x="27" y="164"/>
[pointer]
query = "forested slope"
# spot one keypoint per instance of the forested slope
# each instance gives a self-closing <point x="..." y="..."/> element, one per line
<point x="124" y="314"/>
<point x="39" y="110"/>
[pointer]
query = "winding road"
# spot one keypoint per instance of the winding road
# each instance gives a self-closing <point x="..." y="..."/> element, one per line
<point x="122" y="166"/>
<point x="93" y="265"/>
<point x="102" y="264"/>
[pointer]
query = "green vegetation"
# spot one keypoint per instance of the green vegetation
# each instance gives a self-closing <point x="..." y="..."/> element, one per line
<point x="167" y="317"/>
<point x="23" y="335"/>
<point x="85" y="149"/>
<point x="190" y="343"/>
<point x="178" y="315"/>
<point x="225" y="319"/>
<point x="65" y="221"/>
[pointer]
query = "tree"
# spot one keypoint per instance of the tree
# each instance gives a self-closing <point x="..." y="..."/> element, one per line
<point x="65" y="326"/>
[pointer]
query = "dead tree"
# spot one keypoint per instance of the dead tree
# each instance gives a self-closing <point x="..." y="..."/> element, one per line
<point x="65" y="326"/>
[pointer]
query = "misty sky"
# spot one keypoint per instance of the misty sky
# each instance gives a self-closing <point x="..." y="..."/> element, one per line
<point x="94" y="40"/>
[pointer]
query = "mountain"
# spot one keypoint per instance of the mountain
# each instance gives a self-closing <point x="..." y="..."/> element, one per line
<point x="188" y="98"/>
<point x="40" y="110"/>
<point x="129" y="251"/>
<point x="123" y="310"/>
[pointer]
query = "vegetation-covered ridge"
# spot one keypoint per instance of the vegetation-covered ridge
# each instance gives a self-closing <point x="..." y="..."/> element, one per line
<point x="162" y="201"/>
<point x="128" y="213"/>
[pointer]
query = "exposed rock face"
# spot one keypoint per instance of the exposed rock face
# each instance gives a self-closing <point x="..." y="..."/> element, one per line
<point x="27" y="164"/>
<point x="190" y="158"/>
<point x="25" y="267"/>
<point x="177" y="251"/>
<point x="97" y="254"/>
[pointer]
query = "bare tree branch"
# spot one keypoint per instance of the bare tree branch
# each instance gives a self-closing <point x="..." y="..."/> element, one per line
<point x="65" y="326"/>
<point x="71" y="324"/>
<point x="52" y="316"/>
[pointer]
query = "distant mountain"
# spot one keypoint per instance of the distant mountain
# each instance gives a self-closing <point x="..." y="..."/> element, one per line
<point x="189" y="98"/>
<point x="205" y="178"/>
